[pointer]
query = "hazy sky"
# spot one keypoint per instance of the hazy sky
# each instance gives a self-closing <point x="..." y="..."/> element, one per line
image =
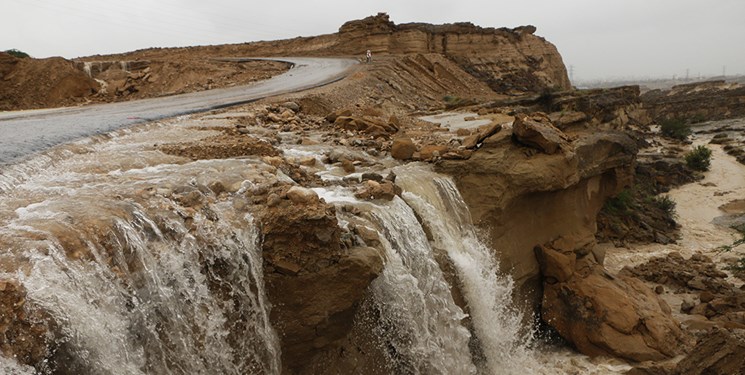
<point x="598" y="38"/>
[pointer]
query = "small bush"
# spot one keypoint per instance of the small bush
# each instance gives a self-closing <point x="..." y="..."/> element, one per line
<point x="675" y="128"/>
<point x="620" y="203"/>
<point x="699" y="158"/>
<point x="17" y="53"/>
<point x="666" y="204"/>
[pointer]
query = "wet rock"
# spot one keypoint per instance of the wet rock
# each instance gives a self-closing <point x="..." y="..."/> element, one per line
<point x="298" y="194"/>
<point x="348" y="166"/>
<point x="23" y="331"/>
<point x="403" y="148"/>
<point x="372" y="176"/>
<point x="537" y="131"/>
<point x="378" y="190"/>
<point x="318" y="286"/>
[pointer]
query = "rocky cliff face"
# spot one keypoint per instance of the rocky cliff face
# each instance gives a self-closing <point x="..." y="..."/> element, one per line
<point x="509" y="60"/>
<point x="532" y="191"/>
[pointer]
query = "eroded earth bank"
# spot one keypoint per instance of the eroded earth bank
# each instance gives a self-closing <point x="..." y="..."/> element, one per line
<point x="453" y="207"/>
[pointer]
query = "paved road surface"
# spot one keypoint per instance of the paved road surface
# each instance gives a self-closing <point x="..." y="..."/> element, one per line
<point x="23" y="133"/>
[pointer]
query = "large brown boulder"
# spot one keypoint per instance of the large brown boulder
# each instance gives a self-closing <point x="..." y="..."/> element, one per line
<point x="537" y="131"/>
<point x="315" y="284"/>
<point x="403" y="148"/>
<point x="602" y="314"/>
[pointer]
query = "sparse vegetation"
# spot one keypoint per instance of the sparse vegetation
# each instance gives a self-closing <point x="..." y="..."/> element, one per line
<point x="17" y="53"/>
<point x="665" y="203"/>
<point x="675" y="128"/>
<point x="699" y="158"/>
<point x="621" y="203"/>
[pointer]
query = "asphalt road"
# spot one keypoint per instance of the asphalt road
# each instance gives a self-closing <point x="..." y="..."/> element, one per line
<point x="23" y="133"/>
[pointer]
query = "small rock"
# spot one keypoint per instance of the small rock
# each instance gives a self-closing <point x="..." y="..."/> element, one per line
<point x="706" y="296"/>
<point x="372" y="176"/>
<point x="307" y="161"/>
<point x="659" y="289"/>
<point x="273" y="199"/>
<point x="348" y="166"/>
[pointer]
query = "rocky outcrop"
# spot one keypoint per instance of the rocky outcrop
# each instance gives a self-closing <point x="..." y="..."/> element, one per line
<point x="505" y="183"/>
<point x="314" y="283"/>
<point x="601" y="314"/>
<point x="507" y="59"/>
<point x="696" y="102"/>
<point x="613" y="108"/>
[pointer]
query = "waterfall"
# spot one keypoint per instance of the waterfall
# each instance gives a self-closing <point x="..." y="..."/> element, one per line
<point x="87" y="69"/>
<point x="141" y="285"/>
<point x="418" y="322"/>
<point x="498" y="327"/>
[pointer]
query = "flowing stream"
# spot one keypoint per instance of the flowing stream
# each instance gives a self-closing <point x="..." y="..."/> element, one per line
<point x="149" y="263"/>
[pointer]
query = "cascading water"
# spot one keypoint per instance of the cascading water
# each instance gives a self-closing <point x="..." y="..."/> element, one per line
<point x="145" y="268"/>
<point x="498" y="327"/>
<point x="418" y="318"/>
<point x="135" y="279"/>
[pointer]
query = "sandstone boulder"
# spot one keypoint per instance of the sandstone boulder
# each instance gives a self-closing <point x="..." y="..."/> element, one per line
<point x="484" y="132"/>
<point x="403" y="148"/>
<point x="605" y="315"/>
<point x="537" y="131"/>
<point x="315" y="286"/>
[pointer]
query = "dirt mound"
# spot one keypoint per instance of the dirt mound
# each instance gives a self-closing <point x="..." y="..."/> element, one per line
<point x="38" y="83"/>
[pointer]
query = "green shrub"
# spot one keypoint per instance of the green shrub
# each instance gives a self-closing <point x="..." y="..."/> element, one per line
<point x="17" y="53"/>
<point x="699" y="158"/>
<point x="675" y="128"/>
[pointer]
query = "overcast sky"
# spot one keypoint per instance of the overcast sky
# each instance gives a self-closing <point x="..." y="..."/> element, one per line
<point x="598" y="38"/>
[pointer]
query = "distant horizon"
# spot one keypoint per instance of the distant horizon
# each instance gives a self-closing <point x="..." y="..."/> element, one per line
<point x="597" y="40"/>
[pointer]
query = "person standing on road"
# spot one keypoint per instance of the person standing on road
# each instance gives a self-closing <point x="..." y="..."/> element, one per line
<point x="368" y="56"/>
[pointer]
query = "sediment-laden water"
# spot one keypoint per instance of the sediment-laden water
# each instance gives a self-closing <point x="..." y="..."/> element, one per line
<point x="149" y="263"/>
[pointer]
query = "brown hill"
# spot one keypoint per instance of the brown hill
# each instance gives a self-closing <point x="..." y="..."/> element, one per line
<point x="508" y="61"/>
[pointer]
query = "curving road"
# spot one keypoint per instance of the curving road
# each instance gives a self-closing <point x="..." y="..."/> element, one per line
<point x="23" y="133"/>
